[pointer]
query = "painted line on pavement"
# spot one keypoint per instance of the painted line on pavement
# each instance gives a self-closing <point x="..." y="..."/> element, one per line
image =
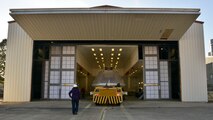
<point x="88" y="106"/>
<point x="103" y="112"/>
<point x="123" y="109"/>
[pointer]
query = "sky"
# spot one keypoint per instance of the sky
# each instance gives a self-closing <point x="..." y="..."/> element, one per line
<point x="205" y="6"/>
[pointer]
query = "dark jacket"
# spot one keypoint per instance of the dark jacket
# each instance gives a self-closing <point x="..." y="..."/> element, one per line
<point x="74" y="93"/>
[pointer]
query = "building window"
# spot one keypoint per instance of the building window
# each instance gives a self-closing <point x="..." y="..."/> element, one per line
<point x="68" y="50"/>
<point x="54" y="77"/>
<point x="55" y="50"/>
<point x="151" y="62"/>
<point x="150" y="50"/>
<point x="68" y="62"/>
<point x="67" y="77"/>
<point x="55" y="62"/>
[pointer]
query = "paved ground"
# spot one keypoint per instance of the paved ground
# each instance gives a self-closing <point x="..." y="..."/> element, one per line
<point x="129" y="110"/>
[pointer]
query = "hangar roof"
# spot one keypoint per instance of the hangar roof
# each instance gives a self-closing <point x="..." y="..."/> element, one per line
<point x="105" y="23"/>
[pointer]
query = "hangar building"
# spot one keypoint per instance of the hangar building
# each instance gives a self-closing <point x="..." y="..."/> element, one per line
<point x="159" y="50"/>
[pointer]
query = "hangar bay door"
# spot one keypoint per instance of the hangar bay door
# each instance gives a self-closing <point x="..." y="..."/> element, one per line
<point x="156" y="75"/>
<point x="59" y="73"/>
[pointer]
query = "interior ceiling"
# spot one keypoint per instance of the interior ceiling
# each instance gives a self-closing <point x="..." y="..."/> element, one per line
<point x="103" y="25"/>
<point x="122" y="59"/>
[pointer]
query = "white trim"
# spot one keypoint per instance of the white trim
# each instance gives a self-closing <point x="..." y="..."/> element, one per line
<point x="106" y="10"/>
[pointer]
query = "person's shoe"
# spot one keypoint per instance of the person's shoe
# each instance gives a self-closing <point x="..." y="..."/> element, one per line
<point x="74" y="113"/>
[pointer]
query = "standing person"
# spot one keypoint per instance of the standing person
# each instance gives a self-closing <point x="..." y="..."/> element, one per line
<point x="75" y="96"/>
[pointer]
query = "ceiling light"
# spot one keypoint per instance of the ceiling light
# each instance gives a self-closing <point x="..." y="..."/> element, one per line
<point x="97" y="61"/>
<point x="94" y="54"/>
<point x="102" y="58"/>
<point x="116" y="63"/>
<point x="112" y="54"/>
<point x="113" y="49"/>
<point x="118" y="58"/>
<point x="93" y="49"/>
<point x="120" y="49"/>
<point x="100" y="49"/>
<point x="111" y="58"/>
<point x="96" y="58"/>
<point x="102" y="54"/>
<point x="119" y="54"/>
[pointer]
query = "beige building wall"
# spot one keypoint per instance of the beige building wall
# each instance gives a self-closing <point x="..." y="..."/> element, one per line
<point x="192" y="65"/>
<point x="18" y="71"/>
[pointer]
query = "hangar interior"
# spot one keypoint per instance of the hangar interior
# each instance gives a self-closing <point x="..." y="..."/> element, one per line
<point x="150" y="66"/>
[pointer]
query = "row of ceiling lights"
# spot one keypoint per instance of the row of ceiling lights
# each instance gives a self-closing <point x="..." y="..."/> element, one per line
<point x="101" y="59"/>
<point x="140" y="83"/>
<point x="84" y="74"/>
<point x="135" y="71"/>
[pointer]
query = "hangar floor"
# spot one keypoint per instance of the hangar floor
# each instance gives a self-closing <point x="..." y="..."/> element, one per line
<point x="129" y="110"/>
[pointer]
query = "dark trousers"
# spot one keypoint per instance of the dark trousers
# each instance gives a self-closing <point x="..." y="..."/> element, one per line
<point x="75" y="104"/>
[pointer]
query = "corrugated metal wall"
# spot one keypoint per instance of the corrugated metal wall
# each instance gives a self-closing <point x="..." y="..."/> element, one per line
<point x="18" y="65"/>
<point x="192" y="65"/>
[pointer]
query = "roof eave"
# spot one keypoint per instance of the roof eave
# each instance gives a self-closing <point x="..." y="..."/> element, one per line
<point x="101" y="11"/>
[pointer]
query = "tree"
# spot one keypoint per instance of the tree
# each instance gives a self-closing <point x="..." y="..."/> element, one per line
<point x="3" y="44"/>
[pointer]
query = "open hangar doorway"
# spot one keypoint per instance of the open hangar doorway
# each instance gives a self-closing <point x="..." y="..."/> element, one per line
<point x="92" y="59"/>
<point x="129" y="60"/>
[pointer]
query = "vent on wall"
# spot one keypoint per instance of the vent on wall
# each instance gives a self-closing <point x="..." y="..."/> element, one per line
<point x="166" y="33"/>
